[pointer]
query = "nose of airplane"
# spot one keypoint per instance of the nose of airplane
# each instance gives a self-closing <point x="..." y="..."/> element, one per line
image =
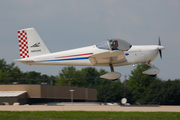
<point x="161" y="47"/>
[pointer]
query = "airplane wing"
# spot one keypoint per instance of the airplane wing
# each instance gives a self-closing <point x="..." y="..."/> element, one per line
<point x="106" y="58"/>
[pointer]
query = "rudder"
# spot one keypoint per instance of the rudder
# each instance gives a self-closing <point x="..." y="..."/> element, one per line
<point x="30" y="43"/>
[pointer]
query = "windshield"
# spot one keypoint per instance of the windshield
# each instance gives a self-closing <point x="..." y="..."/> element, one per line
<point x="114" y="44"/>
<point x="103" y="45"/>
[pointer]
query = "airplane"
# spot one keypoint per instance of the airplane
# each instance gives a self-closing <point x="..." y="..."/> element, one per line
<point x="110" y="53"/>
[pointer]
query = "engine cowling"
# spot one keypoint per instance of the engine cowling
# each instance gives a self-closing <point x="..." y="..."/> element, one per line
<point x="151" y="71"/>
<point x="111" y="75"/>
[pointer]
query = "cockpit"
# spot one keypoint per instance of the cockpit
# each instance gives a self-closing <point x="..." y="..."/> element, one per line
<point x="114" y="44"/>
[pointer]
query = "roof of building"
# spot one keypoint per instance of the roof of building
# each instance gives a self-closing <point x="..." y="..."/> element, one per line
<point x="11" y="93"/>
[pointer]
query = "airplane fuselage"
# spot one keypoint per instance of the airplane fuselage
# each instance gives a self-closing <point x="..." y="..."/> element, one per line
<point x="80" y="57"/>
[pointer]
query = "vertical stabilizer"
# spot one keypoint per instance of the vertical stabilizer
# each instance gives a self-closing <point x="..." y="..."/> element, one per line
<point x="30" y="43"/>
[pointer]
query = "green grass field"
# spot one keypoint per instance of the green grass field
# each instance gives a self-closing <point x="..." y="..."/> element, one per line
<point x="82" y="115"/>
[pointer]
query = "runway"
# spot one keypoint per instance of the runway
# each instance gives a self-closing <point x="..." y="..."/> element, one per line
<point x="90" y="108"/>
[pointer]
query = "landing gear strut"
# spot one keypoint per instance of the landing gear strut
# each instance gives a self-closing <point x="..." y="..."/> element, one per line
<point x="111" y="67"/>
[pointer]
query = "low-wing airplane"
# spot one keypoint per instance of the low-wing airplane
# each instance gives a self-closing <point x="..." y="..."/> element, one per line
<point x="110" y="53"/>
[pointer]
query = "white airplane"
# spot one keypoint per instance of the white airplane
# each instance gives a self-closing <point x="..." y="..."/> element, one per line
<point x="110" y="53"/>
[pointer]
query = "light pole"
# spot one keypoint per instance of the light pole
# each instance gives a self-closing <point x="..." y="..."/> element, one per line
<point x="125" y="86"/>
<point x="71" y="95"/>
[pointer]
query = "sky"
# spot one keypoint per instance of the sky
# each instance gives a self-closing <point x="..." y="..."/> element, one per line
<point x="69" y="24"/>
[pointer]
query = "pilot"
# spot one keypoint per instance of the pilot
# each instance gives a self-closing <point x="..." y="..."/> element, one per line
<point x="115" y="45"/>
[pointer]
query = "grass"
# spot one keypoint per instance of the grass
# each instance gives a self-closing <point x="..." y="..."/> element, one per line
<point x="83" y="115"/>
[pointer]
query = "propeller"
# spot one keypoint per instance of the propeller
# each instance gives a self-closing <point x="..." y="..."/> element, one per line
<point x="160" y="47"/>
<point x="160" y="53"/>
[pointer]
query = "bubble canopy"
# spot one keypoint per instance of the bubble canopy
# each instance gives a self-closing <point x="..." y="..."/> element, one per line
<point x="114" y="44"/>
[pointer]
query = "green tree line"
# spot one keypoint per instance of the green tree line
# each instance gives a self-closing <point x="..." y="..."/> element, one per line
<point x="138" y="88"/>
<point x="10" y="73"/>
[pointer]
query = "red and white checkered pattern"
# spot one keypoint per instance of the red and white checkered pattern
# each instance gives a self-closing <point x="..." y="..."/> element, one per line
<point x="23" y="44"/>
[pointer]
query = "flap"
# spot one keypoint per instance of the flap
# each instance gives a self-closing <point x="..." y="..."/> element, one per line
<point x="110" y="57"/>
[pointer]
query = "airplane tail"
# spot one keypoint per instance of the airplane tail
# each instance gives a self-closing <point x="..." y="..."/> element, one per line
<point x="30" y="43"/>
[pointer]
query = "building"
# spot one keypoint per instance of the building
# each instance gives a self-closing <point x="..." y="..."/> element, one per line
<point x="29" y="94"/>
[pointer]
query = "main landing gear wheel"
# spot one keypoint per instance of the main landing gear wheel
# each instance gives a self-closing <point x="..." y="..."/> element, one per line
<point x="111" y="75"/>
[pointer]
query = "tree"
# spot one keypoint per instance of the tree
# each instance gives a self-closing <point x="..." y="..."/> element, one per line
<point x="66" y="76"/>
<point x="8" y="72"/>
<point x="112" y="91"/>
<point x="163" y="93"/>
<point x="90" y="74"/>
<point x="33" y="77"/>
<point x="3" y="77"/>
<point x="3" y="65"/>
<point x="139" y="82"/>
<point x="86" y="77"/>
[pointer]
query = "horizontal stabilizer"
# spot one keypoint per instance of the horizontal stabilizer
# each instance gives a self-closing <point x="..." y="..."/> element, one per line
<point x="25" y="61"/>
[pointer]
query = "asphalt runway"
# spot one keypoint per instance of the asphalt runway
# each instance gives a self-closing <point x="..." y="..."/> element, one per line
<point x="90" y="108"/>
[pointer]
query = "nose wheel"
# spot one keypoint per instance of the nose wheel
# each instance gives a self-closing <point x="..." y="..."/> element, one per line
<point x="153" y="71"/>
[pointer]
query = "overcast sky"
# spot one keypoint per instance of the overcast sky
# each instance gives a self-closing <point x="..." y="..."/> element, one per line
<point x="68" y="24"/>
